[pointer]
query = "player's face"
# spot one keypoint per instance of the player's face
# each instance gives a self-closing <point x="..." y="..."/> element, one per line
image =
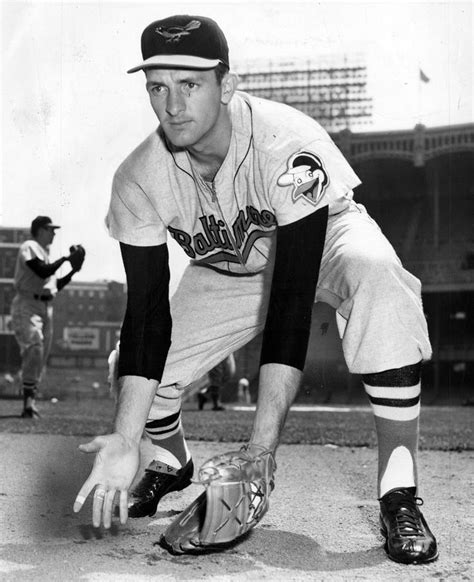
<point x="46" y="235"/>
<point x="188" y="104"/>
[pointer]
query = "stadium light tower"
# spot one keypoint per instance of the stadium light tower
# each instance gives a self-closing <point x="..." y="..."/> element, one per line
<point x="331" y="89"/>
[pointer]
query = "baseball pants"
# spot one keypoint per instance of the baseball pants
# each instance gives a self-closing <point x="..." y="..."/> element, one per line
<point x="32" y="323"/>
<point x="378" y="308"/>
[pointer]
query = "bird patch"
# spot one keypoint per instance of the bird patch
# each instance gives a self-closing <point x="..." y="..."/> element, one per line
<point x="175" y="33"/>
<point x="307" y="175"/>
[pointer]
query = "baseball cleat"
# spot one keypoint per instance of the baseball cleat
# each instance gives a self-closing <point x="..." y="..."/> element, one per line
<point x="408" y="538"/>
<point x="30" y="412"/>
<point x="155" y="484"/>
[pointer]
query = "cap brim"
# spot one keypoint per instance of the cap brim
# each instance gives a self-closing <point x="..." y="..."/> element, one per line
<point x="53" y="226"/>
<point x="176" y="61"/>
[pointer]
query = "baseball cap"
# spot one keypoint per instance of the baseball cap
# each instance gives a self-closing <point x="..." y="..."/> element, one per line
<point x="183" y="41"/>
<point x="42" y="222"/>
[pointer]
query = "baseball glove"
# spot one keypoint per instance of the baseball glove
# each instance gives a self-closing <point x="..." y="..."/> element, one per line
<point x="77" y="256"/>
<point x="238" y="486"/>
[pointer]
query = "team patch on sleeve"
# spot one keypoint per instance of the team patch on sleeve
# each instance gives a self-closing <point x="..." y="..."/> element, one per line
<point x="307" y="175"/>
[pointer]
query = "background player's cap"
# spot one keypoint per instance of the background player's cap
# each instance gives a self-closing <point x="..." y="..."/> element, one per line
<point x="182" y="41"/>
<point x="42" y="222"/>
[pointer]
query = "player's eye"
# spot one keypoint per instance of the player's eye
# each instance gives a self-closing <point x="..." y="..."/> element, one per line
<point x="189" y="86"/>
<point x="156" y="90"/>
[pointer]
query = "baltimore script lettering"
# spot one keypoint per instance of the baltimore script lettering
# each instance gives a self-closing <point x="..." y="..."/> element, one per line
<point x="215" y="235"/>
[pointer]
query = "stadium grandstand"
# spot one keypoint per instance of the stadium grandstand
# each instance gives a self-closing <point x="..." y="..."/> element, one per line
<point x="419" y="186"/>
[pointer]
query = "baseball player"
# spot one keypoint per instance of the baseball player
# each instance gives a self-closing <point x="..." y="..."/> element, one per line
<point x="261" y="201"/>
<point x="218" y="377"/>
<point x="243" y="391"/>
<point x="36" y="285"/>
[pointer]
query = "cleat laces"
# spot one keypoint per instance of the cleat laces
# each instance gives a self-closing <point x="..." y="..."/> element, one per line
<point x="407" y="516"/>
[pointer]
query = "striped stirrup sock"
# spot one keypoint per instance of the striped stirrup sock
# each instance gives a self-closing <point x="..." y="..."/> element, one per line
<point x="167" y="436"/>
<point x="395" y="399"/>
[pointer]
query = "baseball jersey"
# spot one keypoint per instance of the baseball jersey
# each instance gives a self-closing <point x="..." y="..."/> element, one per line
<point x="281" y="167"/>
<point x="28" y="282"/>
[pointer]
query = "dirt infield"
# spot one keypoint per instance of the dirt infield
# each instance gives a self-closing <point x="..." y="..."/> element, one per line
<point x="322" y="524"/>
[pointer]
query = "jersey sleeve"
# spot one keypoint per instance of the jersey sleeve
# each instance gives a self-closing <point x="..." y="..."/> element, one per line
<point x="28" y="252"/>
<point x="132" y="218"/>
<point x="310" y="178"/>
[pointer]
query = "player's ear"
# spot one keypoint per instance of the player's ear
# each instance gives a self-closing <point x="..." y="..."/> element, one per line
<point x="228" y="87"/>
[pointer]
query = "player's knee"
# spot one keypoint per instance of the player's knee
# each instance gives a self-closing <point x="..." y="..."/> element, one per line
<point x="374" y="268"/>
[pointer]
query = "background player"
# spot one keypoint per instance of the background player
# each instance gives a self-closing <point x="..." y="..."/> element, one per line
<point x="261" y="200"/>
<point x="218" y="377"/>
<point x="36" y="285"/>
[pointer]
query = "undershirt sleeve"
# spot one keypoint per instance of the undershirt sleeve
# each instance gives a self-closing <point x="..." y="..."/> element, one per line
<point x="146" y="331"/>
<point x="63" y="281"/>
<point x="295" y="276"/>
<point x="43" y="269"/>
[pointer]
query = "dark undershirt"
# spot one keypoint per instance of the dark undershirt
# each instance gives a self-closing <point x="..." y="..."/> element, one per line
<point x="146" y="331"/>
<point x="295" y="276"/>
<point x="42" y="269"/>
<point x="45" y="270"/>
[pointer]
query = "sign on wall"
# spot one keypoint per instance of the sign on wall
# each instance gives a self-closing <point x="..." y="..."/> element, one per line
<point x="6" y="324"/>
<point x="81" y="338"/>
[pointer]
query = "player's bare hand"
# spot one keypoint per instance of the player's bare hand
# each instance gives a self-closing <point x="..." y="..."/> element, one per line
<point x="115" y="466"/>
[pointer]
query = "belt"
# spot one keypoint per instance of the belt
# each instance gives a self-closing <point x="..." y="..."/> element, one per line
<point x="43" y="297"/>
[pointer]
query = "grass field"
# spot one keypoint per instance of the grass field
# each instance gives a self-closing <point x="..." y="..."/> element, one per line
<point x="442" y="428"/>
<point x="85" y="408"/>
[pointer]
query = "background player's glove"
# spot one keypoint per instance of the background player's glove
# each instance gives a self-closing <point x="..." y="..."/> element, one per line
<point x="76" y="256"/>
<point x="238" y="486"/>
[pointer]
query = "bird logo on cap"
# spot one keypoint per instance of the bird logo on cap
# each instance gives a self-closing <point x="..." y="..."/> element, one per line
<point x="307" y="175"/>
<point x="174" y="33"/>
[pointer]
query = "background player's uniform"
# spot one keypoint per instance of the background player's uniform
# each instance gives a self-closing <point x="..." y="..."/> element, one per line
<point x="281" y="167"/>
<point x="32" y="312"/>
<point x="217" y="378"/>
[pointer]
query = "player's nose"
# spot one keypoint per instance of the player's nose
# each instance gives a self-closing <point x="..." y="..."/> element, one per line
<point x="174" y="103"/>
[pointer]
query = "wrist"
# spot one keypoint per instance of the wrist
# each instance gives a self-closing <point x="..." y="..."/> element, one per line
<point x="128" y="441"/>
<point x="130" y="435"/>
<point x="134" y="401"/>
